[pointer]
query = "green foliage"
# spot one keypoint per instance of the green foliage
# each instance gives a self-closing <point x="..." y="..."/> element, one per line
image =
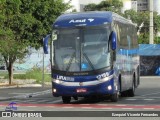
<point x="143" y="18"/>
<point x="44" y="12"/>
<point x="157" y="23"/>
<point x="31" y="20"/>
<point x="24" y="23"/>
<point x="106" y="5"/>
<point x="157" y="40"/>
<point x="90" y="7"/>
<point x="140" y="18"/>
<point x="35" y="73"/>
<point x="74" y="10"/>
<point x="143" y="38"/>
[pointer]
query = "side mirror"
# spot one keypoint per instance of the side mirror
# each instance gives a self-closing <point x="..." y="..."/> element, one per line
<point x="45" y="44"/>
<point x="113" y="40"/>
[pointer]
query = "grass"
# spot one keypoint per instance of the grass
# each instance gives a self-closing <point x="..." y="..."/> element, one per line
<point x="35" y="73"/>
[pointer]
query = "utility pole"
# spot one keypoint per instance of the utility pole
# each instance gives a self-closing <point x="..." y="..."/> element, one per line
<point x="151" y="23"/>
<point x="43" y="70"/>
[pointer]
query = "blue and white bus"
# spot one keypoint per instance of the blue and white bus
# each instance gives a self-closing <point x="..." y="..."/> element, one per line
<point x="93" y="53"/>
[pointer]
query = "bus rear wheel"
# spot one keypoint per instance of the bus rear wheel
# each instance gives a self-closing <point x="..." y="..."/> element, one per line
<point x="66" y="99"/>
<point x="131" y="92"/>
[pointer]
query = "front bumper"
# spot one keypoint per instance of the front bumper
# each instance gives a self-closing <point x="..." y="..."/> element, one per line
<point x="103" y="88"/>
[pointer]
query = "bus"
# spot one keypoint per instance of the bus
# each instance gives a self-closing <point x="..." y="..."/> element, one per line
<point x="93" y="54"/>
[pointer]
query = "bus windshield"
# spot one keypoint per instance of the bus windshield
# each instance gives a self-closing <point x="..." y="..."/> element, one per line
<point x="82" y="49"/>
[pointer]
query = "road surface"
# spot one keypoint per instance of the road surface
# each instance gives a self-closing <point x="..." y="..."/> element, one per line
<point x="147" y="98"/>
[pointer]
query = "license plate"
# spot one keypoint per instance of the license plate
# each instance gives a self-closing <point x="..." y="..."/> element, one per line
<point x="81" y="90"/>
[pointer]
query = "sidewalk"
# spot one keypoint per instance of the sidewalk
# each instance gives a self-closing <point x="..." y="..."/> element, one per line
<point x="22" y="90"/>
<point x="20" y="83"/>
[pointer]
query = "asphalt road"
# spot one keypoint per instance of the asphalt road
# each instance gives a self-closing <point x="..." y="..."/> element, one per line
<point x="147" y="98"/>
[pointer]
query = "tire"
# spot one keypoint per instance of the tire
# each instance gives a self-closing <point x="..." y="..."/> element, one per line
<point x="66" y="99"/>
<point x="131" y="92"/>
<point x="114" y="97"/>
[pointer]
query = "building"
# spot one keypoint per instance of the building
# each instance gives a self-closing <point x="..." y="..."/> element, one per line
<point x="140" y="5"/>
<point x="126" y="5"/>
<point x="78" y="5"/>
<point x="156" y="6"/>
<point x="143" y="5"/>
<point x="137" y="5"/>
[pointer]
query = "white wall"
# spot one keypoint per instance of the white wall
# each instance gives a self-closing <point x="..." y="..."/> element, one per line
<point x="79" y="4"/>
<point x="85" y="2"/>
<point x="75" y="4"/>
<point x="156" y="6"/>
<point x="127" y="5"/>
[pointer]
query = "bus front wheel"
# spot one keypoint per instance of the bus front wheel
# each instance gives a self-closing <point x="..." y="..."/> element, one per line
<point x="66" y="99"/>
<point x="114" y="97"/>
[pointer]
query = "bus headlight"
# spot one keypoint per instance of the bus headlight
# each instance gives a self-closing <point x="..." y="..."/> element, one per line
<point x="57" y="81"/>
<point x="54" y="90"/>
<point x="109" y="87"/>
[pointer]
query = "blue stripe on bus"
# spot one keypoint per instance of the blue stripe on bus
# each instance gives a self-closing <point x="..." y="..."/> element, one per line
<point x="128" y="52"/>
<point x="82" y="78"/>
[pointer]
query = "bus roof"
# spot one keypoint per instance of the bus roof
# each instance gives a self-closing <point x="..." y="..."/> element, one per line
<point x="87" y="19"/>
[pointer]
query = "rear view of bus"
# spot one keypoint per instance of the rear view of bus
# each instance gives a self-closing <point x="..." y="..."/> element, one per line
<point x="82" y="58"/>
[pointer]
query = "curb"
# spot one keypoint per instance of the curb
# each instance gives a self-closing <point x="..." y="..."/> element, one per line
<point x="26" y="95"/>
<point x="19" y="86"/>
<point x="24" y="85"/>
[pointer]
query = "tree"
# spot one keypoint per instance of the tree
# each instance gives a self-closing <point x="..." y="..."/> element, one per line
<point x="142" y="21"/>
<point x="106" y="5"/>
<point x="140" y="18"/>
<point x="24" y="23"/>
<point x="45" y="12"/>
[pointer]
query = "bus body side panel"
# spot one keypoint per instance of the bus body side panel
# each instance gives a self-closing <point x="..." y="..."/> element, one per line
<point x="127" y="59"/>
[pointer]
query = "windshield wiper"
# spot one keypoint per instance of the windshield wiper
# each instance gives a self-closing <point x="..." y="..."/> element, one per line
<point x="70" y="61"/>
<point x="90" y="63"/>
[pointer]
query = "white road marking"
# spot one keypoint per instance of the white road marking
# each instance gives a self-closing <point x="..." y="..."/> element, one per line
<point x="87" y="107"/>
<point x="127" y="108"/>
<point x="31" y="106"/>
<point x="131" y="99"/>
<point x="148" y="108"/>
<point x="146" y="77"/>
<point x="150" y="94"/>
<point x="67" y="107"/>
<point x="121" y="105"/>
<point x="107" y="108"/>
<point x="153" y="97"/>
<point x="148" y="99"/>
